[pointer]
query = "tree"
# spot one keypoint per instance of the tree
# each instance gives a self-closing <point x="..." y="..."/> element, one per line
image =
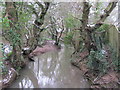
<point x="34" y="39"/>
<point x="13" y="34"/>
<point x="87" y="31"/>
<point x="56" y="35"/>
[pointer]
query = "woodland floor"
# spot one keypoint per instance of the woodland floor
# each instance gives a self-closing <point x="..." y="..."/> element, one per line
<point x="110" y="79"/>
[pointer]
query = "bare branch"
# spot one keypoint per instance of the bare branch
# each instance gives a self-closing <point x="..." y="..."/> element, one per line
<point x="61" y="31"/>
<point x="107" y="12"/>
<point x="40" y="5"/>
<point x="47" y="5"/>
<point x="33" y="9"/>
<point x="85" y="15"/>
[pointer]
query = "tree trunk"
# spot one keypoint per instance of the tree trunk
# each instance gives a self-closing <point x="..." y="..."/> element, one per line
<point x="34" y="40"/>
<point x="87" y="32"/>
<point x="11" y="13"/>
<point x="86" y="35"/>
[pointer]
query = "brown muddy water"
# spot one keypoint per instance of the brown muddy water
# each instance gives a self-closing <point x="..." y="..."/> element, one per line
<point x="51" y="70"/>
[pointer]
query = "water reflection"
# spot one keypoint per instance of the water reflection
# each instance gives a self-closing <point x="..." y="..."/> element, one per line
<point x="51" y="70"/>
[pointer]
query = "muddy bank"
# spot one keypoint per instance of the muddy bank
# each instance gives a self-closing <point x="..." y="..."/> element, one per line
<point x="12" y="74"/>
<point x="47" y="47"/>
<point x="110" y="79"/>
<point x="8" y="78"/>
<point x="9" y="72"/>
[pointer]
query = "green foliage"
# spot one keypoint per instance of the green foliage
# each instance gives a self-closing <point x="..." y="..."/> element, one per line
<point x="97" y="61"/>
<point x="23" y="20"/>
<point x="5" y="23"/>
<point x="13" y="37"/>
<point x="103" y="27"/>
<point x="98" y="39"/>
<point x="118" y="64"/>
<point x="10" y="33"/>
<point x="18" y="69"/>
<point x="24" y="16"/>
<point x="101" y="38"/>
<point x="71" y="22"/>
<point x="4" y="68"/>
<point x="68" y="38"/>
<point x="115" y="60"/>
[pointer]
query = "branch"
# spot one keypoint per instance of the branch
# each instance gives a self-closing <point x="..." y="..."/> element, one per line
<point x="47" y="4"/>
<point x="103" y="17"/>
<point x="44" y="10"/>
<point x="85" y="15"/>
<point x="61" y="31"/>
<point x="40" y="5"/>
<point x="33" y="9"/>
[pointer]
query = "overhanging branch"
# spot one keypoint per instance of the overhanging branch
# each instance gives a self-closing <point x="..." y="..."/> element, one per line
<point x="103" y="17"/>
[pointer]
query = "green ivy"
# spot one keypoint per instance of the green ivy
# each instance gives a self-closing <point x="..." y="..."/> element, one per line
<point x="115" y="60"/>
<point x="14" y="37"/>
<point x="4" y="68"/>
<point x="68" y="37"/>
<point x="71" y="22"/>
<point x="97" y="61"/>
<point x="5" y="23"/>
<point x="103" y="27"/>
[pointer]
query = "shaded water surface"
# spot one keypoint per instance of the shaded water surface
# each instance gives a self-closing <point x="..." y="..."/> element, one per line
<point x="51" y="70"/>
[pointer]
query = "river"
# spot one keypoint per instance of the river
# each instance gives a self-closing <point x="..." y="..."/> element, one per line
<point x="51" y="70"/>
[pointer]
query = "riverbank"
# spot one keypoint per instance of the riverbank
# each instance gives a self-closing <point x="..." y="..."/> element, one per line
<point x="99" y="79"/>
<point x="51" y="70"/>
<point x="12" y="73"/>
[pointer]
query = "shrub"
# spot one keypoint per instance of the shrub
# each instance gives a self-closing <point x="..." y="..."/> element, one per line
<point x="68" y="37"/>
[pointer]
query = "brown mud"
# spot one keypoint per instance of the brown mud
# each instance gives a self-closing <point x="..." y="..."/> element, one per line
<point x="48" y="46"/>
<point x="111" y="79"/>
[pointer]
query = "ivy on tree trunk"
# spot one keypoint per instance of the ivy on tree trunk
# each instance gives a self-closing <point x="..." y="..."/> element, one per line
<point x="87" y="31"/>
<point x="11" y="14"/>
<point x="39" y="21"/>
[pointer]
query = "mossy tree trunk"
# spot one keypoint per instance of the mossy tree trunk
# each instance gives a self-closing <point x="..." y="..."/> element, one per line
<point x="11" y="14"/>
<point x="87" y="31"/>
<point x="39" y="21"/>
